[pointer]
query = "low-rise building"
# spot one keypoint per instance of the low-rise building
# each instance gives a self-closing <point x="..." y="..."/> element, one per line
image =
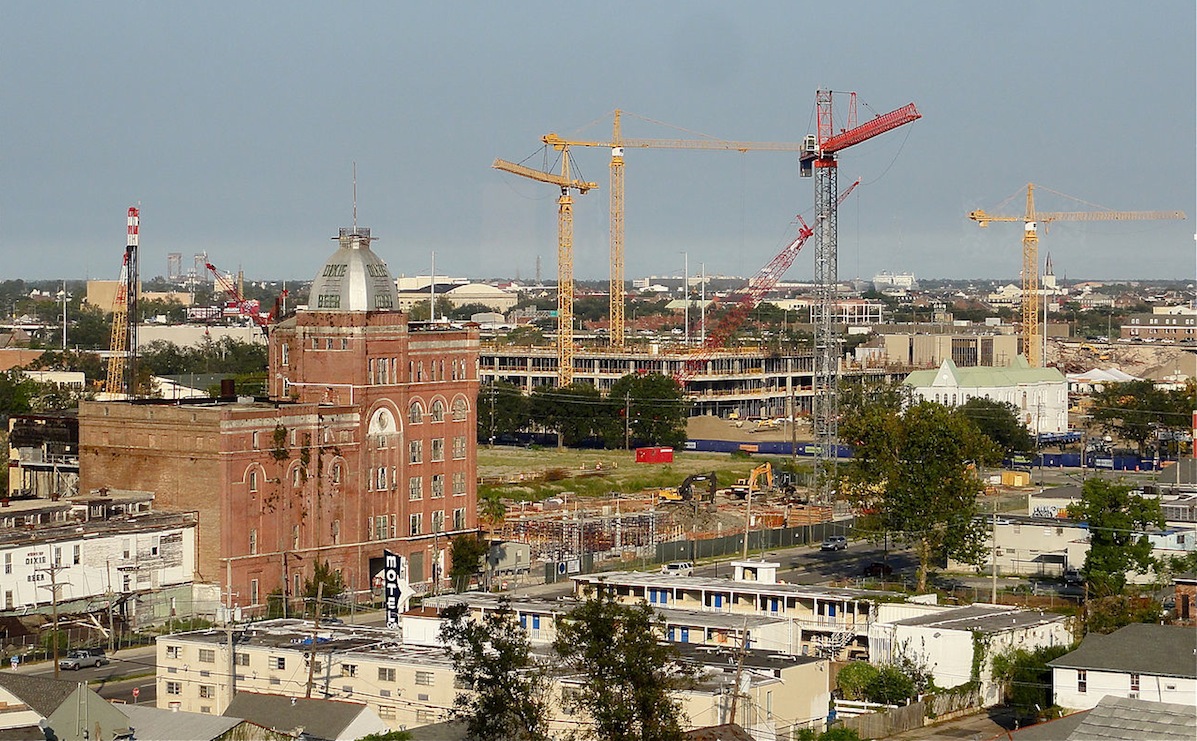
<point x="40" y="707"/>
<point x="305" y="718"/>
<point x="92" y="547"/>
<point x="43" y="455"/>
<point x="1140" y="661"/>
<point x="947" y="640"/>
<point x="823" y="621"/>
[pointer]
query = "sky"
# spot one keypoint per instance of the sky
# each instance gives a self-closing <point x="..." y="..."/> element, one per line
<point x="236" y="126"/>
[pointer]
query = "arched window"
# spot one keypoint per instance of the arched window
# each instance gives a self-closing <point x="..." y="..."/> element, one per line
<point x="461" y="409"/>
<point x="415" y="413"/>
<point x="438" y="411"/>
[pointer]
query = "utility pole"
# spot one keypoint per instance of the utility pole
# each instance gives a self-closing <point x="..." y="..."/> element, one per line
<point x="993" y="554"/>
<point x="627" y="420"/>
<point x="53" y="570"/>
<point x="686" y="294"/>
<point x="315" y="631"/>
<point x="739" y="672"/>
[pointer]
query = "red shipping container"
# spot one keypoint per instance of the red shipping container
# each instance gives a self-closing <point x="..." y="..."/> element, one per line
<point x="654" y="455"/>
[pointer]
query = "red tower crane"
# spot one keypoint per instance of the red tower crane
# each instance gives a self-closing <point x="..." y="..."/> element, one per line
<point x="245" y="307"/>
<point x="758" y="287"/>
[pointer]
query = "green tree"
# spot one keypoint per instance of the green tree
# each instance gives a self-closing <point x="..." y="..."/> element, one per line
<point x="1107" y="614"/>
<point x="491" y="509"/>
<point x="17" y="392"/>
<point x="999" y="421"/>
<point x="502" y="410"/>
<point x="1117" y="521"/>
<point x="1135" y="410"/>
<point x="835" y="733"/>
<point x="628" y="675"/>
<point x="323" y="574"/>
<point x="466" y="553"/>
<point x="891" y="686"/>
<point x="387" y="736"/>
<point x="525" y="336"/>
<point x="506" y="690"/>
<point x="91" y="328"/>
<point x="577" y="412"/>
<point x="855" y="678"/>
<point x="652" y="406"/>
<point x="911" y="469"/>
<point x="1026" y="678"/>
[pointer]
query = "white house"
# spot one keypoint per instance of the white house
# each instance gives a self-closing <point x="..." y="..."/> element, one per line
<point x="946" y="639"/>
<point x="1039" y="394"/>
<point x="1139" y="661"/>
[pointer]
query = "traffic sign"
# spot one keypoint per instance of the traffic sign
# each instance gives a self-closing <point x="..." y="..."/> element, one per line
<point x="136" y="691"/>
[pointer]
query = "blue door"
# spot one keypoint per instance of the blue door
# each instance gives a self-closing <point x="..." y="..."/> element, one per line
<point x="685" y="635"/>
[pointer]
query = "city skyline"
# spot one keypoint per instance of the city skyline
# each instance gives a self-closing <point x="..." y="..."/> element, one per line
<point x="236" y="129"/>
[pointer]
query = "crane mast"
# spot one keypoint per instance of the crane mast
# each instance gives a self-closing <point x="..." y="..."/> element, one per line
<point x="618" y="144"/>
<point x="1030" y="304"/>
<point x="565" y="254"/>
<point x="819" y="159"/>
<point x="122" y="358"/>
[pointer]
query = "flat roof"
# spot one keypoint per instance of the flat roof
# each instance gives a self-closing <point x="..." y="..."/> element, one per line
<point x="984" y="618"/>
<point x="77" y="530"/>
<point x="645" y="579"/>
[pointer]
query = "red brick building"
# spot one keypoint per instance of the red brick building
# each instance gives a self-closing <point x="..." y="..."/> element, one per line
<point x="366" y="443"/>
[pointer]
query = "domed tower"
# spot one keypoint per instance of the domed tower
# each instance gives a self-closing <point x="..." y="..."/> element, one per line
<point x="353" y="278"/>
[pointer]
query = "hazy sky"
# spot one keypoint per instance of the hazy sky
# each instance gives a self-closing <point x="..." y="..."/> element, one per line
<point x="234" y="125"/>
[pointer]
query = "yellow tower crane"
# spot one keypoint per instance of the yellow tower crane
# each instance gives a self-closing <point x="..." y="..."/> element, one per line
<point x="565" y="255"/>
<point x="618" y="144"/>
<point x="1030" y="255"/>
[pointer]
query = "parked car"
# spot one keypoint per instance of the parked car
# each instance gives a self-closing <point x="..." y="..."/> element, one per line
<point x="1073" y="577"/>
<point x="81" y="657"/>
<point x="834" y="543"/>
<point x="678" y="568"/>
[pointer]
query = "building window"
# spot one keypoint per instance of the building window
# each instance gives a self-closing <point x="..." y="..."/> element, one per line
<point x="241" y="659"/>
<point x="386" y="674"/>
<point x="172" y="652"/>
<point x="415" y="449"/>
<point x="8" y="563"/>
<point x="438" y="449"/>
<point x="348" y="670"/>
<point x="76" y="556"/>
<point x="336" y="532"/>
<point x="417" y="522"/>
<point x="438" y="521"/>
<point x="381" y="479"/>
<point x="380" y="527"/>
<point x="386" y="712"/>
<point x="285" y="352"/>
<point x="295" y="538"/>
<point x="459" y="519"/>
<point x="461" y="409"/>
<point x="415" y="413"/>
<point x="255" y="439"/>
<point x="253" y="541"/>
<point x="174" y="688"/>
<point x="415" y="488"/>
<point x="438" y="411"/>
<point x="426" y="716"/>
<point x="207" y="656"/>
<point x="296" y="477"/>
<point x="253" y="480"/>
<point x="278" y="662"/>
<point x="1134" y="682"/>
<point x="438" y="486"/>
<point x="459" y="447"/>
<point x="459" y="484"/>
<point x="425" y="679"/>
<point x="253" y="591"/>
<point x="336" y="473"/>
<point x="1082" y="681"/>
<point x="207" y="691"/>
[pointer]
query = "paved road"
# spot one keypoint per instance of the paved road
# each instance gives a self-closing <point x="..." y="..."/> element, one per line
<point x="126" y="669"/>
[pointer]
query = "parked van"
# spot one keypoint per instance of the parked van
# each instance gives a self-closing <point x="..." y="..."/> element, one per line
<point x="678" y="568"/>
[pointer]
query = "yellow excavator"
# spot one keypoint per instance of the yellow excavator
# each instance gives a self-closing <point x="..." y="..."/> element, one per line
<point x="745" y="487"/>
<point x="686" y="490"/>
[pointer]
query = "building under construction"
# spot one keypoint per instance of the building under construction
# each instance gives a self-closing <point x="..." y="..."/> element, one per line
<point x="752" y="382"/>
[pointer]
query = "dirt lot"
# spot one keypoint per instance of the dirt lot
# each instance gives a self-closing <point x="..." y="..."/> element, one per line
<point x="743" y="431"/>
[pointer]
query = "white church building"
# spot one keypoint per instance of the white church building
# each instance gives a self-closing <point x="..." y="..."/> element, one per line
<point x="1039" y="394"/>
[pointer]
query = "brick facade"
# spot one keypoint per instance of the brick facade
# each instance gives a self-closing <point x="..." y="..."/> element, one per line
<point x="366" y="443"/>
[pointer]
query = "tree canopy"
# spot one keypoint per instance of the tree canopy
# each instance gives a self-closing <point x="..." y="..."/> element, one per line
<point x="1135" y="410"/>
<point x="577" y="412"/>
<point x="628" y="675"/>
<point x="466" y="552"/>
<point x="653" y="408"/>
<point x="507" y="691"/>
<point x="502" y="410"/>
<point x="1117" y="520"/>
<point x="998" y="420"/>
<point x="913" y="470"/>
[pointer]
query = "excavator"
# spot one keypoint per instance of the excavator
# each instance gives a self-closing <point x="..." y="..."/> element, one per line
<point x="685" y="491"/>
<point x="745" y="487"/>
